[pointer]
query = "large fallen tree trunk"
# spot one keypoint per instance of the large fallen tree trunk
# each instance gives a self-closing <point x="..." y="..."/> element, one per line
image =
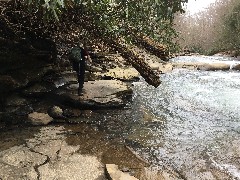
<point x="153" y="47"/>
<point x="150" y="76"/>
<point x="139" y="63"/>
<point x="149" y="44"/>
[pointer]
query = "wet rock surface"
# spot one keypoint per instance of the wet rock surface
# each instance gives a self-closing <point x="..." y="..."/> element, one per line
<point x="61" y="152"/>
<point x="96" y="94"/>
<point x="48" y="156"/>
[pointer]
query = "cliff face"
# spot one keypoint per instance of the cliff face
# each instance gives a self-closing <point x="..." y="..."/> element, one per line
<point x="32" y="82"/>
<point x="23" y="61"/>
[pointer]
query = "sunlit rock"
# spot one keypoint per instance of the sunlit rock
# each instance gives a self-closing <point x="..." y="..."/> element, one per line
<point x="39" y="118"/>
<point x="113" y="173"/>
<point x="165" y="68"/>
<point x="125" y="74"/>
<point x="56" y="112"/>
<point x="202" y="66"/>
<point x="155" y="65"/>
<point x="214" y="66"/>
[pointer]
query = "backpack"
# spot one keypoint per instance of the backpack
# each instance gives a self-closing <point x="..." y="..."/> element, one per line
<point x="75" y="54"/>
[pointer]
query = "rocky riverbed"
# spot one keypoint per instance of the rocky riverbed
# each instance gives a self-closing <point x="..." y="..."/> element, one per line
<point x="46" y="128"/>
<point x="63" y="152"/>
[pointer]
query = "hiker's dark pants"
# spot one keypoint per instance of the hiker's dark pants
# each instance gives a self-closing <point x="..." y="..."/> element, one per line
<point x="79" y="67"/>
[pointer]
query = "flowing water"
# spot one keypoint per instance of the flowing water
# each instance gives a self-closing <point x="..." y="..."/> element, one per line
<point x="190" y="123"/>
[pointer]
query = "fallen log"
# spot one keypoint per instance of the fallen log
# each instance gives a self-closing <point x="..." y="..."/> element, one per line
<point x="138" y="62"/>
<point x="150" y="76"/>
<point x="153" y="47"/>
<point x="150" y="45"/>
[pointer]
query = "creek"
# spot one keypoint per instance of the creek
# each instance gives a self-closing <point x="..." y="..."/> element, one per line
<point x="189" y="124"/>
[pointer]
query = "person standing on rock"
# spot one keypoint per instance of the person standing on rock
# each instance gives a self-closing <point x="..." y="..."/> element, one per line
<point x="78" y="56"/>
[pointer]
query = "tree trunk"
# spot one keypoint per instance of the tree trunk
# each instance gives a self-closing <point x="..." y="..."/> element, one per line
<point x="153" y="47"/>
<point x="150" y="45"/>
<point x="150" y="76"/>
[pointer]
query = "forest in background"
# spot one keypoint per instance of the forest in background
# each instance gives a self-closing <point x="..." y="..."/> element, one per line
<point x="116" y="24"/>
<point x="214" y="30"/>
<point x="211" y="31"/>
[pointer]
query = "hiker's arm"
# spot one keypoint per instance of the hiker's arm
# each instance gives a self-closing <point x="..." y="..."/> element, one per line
<point x="88" y="58"/>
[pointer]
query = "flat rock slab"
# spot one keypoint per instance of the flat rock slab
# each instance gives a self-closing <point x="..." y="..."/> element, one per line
<point x="124" y="74"/>
<point x="48" y="156"/>
<point x="202" y="66"/>
<point x="96" y="94"/>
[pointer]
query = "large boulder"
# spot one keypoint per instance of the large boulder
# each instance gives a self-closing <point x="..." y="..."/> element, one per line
<point x="56" y="112"/>
<point x="23" y="60"/>
<point x="22" y="77"/>
<point x="214" y="67"/>
<point x="187" y="65"/>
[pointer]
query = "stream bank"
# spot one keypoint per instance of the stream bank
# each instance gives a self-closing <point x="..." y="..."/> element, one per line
<point x="36" y="90"/>
<point x="62" y="151"/>
<point x="45" y="126"/>
<point x="100" y="113"/>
